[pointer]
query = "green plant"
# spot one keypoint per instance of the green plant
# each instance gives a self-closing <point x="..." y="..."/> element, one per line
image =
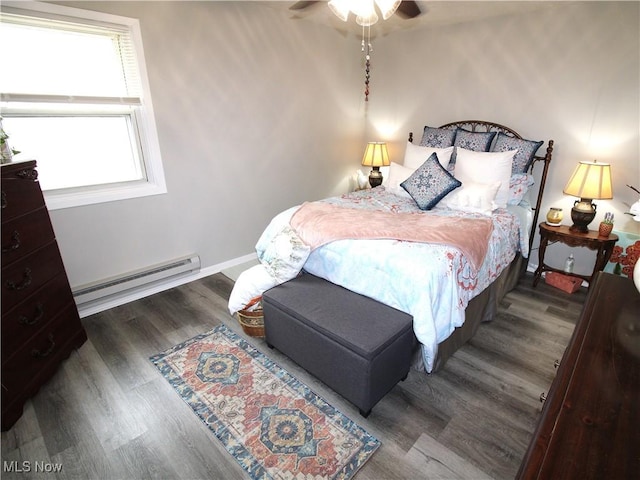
<point x="6" y="152"/>
<point x="608" y="218"/>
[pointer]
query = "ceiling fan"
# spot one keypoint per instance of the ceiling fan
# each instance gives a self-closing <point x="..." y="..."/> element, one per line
<point x="365" y="11"/>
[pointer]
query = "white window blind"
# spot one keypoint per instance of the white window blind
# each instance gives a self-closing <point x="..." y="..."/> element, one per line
<point x="59" y="60"/>
<point x="75" y="98"/>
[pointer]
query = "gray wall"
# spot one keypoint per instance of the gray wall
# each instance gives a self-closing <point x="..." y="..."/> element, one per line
<point x="567" y="72"/>
<point x="257" y="112"/>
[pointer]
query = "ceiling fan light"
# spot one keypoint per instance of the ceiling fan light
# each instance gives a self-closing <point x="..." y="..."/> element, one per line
<point x="363" y="8"/>
<point x="388" y="7"/>
<point x="368" y="20"/>
<point x="340" y="8"/>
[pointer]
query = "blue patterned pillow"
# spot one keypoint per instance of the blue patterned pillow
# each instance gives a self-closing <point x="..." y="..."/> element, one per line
<point x="437" y="137"/>
<point x="476" y="141"/>
<point x="526" y="151"/>
<point x="430" y="183"/>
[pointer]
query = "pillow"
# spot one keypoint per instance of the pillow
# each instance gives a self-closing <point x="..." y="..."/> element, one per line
<point x="437" y="137"/>
<point x="284" y="244"/>
<point x="250" y="284"/>
<point x="415" y="155"/>
<point x="473" y="197"/>
<point x="526" y="151"/>
<point x="486" y="167"/>
<point x="397" y="175"/>
<point x="518" y="187"/>
<point x="476" y="141"/>
<point x="430" y="183"/>
<point x="279" y="240"/>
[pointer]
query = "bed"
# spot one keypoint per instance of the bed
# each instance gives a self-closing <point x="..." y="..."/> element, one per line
<point x="445" y="236"/>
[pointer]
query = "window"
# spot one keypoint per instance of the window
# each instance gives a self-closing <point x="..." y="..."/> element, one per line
<point x="75" y="97"/>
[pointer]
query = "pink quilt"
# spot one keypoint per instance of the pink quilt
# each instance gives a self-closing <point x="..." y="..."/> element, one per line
<point x="318" y="223"/>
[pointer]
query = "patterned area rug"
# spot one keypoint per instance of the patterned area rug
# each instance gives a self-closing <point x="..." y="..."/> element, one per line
<point x="273" y="425"/>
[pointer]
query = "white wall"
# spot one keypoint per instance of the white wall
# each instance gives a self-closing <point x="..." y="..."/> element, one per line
<point x="568" y="72"/>
<point x="257" y="111"/>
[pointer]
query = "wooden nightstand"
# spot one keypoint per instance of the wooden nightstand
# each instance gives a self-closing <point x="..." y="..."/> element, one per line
<point x="591" y="240"/>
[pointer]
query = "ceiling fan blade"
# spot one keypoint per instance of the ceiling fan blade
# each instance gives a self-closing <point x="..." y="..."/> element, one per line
<point x="301" y="5"/>
<point x="407" y="9"/>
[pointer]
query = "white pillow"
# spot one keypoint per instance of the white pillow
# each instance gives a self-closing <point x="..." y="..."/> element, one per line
<point x="398" y="174"/>
<point x="416" y="155"/>
<point x="486" y="167"/>
<point x="250" y="284"/>
<point x="473" y="197"/>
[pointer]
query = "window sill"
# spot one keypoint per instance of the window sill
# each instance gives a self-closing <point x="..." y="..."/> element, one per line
<point x="59" y="199"/>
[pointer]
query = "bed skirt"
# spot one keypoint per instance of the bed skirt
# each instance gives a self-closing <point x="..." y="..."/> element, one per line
<point x="481" y="308"/>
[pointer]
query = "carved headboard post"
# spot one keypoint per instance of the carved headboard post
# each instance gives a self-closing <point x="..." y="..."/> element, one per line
<point x="543" y="180"/>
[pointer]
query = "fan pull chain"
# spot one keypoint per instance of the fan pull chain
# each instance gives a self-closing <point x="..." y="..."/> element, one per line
<point x="367" y="49"/>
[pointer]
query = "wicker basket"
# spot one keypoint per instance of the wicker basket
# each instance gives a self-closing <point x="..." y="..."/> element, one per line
<point x="251" y="318"/>
<point x="566" y="283"/>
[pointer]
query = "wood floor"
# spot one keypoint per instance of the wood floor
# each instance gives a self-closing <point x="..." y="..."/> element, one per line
<point x="109" y="414"/>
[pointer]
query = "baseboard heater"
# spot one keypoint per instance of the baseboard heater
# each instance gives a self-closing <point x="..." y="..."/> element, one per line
<point x="137" y="280"/>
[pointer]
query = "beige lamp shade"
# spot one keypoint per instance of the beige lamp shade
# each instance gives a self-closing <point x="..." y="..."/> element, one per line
<point x="590" y="180"/>
<point x="376" y="155"/>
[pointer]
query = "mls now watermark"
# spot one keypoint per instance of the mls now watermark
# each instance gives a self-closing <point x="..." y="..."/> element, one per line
<point x="28" y="466"/>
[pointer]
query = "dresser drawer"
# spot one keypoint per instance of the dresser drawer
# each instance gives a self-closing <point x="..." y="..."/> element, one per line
<point x="20" y="191"/>
<point x="41" y="355"/>
<point x="40" y="321"/>
<point x="30" y="316"/>
<point x="25" y="234"/>
<point x="23" y="277"/>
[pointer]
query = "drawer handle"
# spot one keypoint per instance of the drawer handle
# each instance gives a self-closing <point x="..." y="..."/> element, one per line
<point x="4" y="200"/>
<point x="38" y="354"/>
<point x="36" y="318"/>
<point x="15" y="242"/>
<point x="556" y="364"/>
<point x="543" y="397"/>
<point x="24" y="283"/>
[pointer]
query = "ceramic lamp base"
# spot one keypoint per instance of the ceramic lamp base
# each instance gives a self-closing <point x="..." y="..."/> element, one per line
<point x="581" y="219"/>
<point x="375" y="177"/>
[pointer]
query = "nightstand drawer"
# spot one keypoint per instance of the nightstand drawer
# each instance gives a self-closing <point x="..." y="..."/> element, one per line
<point x="24" y="277"/>
<point x="25" y="320"/>
<point x="25" y="234"/>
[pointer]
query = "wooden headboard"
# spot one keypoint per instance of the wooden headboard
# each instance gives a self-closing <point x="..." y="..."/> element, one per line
<point x="484" y="126"/>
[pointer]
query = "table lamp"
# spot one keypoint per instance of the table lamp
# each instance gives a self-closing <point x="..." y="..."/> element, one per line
<point x="376" y="156"/>
<point x="590" y="180"/>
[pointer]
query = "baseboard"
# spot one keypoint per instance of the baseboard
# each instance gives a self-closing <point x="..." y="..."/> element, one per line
<point x="101" y="305"/>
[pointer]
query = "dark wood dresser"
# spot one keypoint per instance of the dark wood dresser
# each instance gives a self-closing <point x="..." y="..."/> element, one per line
<point x="40" y="322"/>
<point x="590" y="424"/>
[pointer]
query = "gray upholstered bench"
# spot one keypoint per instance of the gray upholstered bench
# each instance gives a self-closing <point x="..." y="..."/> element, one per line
<point x="355" y="345"/>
